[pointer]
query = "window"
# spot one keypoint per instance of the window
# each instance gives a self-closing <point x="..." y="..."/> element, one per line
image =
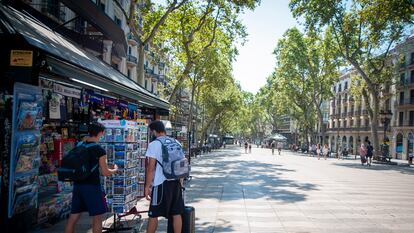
<point x="412" y="58"/>
<point x="412" y="77"/>
<point x="402" y="78"/>
<point x="401" y="119"/>
<point x="345" y="123"/>
<point x="152" y="88"/>
<point x="334" y="89"/>
<point x="129" y="50"/>
<point x="146" y="84"/>
<point x="102" y="6"/>
<point x="340" y="88"/>
<point x="401" y="98"/>
<point x="412" y="97"/>
<point x="118" y="21"/>
<point x="346" y="86"/>
<point x="129" y="73"/>
<point x="411" y="119"/>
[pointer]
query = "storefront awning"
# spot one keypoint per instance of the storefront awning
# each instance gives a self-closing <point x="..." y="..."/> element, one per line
<point x="68" y="60"/>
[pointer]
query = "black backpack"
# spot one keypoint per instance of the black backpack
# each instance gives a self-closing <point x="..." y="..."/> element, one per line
<point x="76" y="164"/>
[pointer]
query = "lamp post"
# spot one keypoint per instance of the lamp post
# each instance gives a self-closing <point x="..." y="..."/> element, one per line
<point x="386" y="116"/>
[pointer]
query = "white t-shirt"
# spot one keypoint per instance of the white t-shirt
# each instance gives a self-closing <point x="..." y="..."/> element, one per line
<point x="155" y="151"/>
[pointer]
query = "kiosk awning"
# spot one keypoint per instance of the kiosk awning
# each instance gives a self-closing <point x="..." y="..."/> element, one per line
<point x="68" y="60"/>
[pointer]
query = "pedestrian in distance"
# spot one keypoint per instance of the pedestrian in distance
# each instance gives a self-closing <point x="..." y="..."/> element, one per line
<point x="246" y="146"/>
<point x="370" y="153"/>
<point x="363" y="153"/>
<point x="273" y="145"/>
<point x="325" y="151"/>
<point x="250" y="148"/>
<point x="279" y="147"/>
<point x="87" y="194"/>
<point x="318" y="150"/>
<point x="165" y="195"/>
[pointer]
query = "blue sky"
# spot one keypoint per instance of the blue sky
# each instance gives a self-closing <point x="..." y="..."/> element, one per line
<point x="265" y="26"/>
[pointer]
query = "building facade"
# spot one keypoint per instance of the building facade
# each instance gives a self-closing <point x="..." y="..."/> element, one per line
<point x="101" y="27"/>
<point x="403" y="124"/>
<point x="349" y="123"/>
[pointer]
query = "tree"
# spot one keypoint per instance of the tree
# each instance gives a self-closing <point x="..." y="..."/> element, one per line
<point x="152" y="21"/>
<point x="292" y="79"/>
<point x="364" y="32"/>
<point x="199" y="26"/>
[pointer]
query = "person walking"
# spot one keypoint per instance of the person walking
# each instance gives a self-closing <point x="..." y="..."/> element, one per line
<point x="370" y="153"/>
<point x="250" y="148"/>
<point x="325" y="151"/>
<point x="246" y="145"/>
<point x="318" y="150"/>
<point x="87" y="194"/>
<point x="273" y="145"/>
<point x="165" y="195"/>
<point x="279" y="147"/>
<point x="363" y="153"/>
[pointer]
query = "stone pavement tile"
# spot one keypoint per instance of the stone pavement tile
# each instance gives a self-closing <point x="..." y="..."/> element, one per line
<point x="262" y="224"/>
<point x="263" y="219"/>
<point x="261" y="214"/>
<point x="267" y="230"/>
<point x="256" y="210"/>
<point x="293" y="218"/>
<point x="232" y="213"/>
<point x="302" y="230"/>
<point x="290" y="213"/>
<point x="299" y="224"/>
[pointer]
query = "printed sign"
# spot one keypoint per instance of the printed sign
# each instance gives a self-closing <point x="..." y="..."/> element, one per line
<point x="21" y="58"/>
<point x="67" y="91"/>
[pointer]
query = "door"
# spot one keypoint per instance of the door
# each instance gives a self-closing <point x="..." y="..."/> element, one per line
<point x="410" y="145"/>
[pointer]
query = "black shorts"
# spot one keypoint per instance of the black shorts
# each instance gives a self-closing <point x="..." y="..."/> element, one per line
<point x="166" y="200"/>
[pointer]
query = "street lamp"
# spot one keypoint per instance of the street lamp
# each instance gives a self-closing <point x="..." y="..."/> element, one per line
<point x="386" y="116"/>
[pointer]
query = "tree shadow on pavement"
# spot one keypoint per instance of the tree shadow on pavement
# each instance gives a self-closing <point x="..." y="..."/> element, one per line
<point x="378" y="167"/>
<point x="227" y="176"/>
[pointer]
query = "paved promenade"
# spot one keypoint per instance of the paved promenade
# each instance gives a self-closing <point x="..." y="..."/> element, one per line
<point x="260" y="192"/>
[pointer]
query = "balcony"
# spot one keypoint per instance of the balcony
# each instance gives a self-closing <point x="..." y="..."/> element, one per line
<point x="357" y="113"/>
<point x="132" y="60"/>
<point x="132" y="39"/>
<point x="343" y="114"/>
<point x="92" y="13"/>
<point x="364" y="112"/>
<point x="351" y="114"/>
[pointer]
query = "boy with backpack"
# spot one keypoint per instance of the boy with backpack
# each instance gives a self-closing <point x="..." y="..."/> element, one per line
<point x="87" y="191"/>
<point x="166" y="166"/>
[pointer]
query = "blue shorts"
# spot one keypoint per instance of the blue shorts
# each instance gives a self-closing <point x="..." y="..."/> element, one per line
<point x="90" y="198"/>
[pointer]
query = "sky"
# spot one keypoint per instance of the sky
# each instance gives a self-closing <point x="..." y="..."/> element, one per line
<point x="265" y="26"/>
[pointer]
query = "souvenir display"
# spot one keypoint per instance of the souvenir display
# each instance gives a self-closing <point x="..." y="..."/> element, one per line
<point x="25" y="150"/>
<point x="125" y="145"/>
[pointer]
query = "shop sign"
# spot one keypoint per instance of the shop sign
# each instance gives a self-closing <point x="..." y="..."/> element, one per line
<point x="67" y="91"/>
<point x="123" y="104"/>
<point x="21" y="58"/>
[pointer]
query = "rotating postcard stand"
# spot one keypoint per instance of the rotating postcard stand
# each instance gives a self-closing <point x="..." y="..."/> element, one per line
<point x="25" y="155"/>
<point x="125" y="143"/>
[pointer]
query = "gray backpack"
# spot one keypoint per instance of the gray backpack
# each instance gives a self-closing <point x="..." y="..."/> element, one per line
<point x="174" y="163"/>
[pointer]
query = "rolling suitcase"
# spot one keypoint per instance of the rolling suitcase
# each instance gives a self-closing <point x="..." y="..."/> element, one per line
<point x="188" y="221"/>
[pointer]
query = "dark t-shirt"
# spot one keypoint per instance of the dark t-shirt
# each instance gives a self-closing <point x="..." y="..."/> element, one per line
<point x="94" y="153"/>
<point x="370" y="150"/>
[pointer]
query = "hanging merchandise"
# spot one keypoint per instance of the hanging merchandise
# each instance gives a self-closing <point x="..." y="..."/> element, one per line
<point x="54" y="106"/>
<point x="123" y="141"/>
<point x="25" y="157"/>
